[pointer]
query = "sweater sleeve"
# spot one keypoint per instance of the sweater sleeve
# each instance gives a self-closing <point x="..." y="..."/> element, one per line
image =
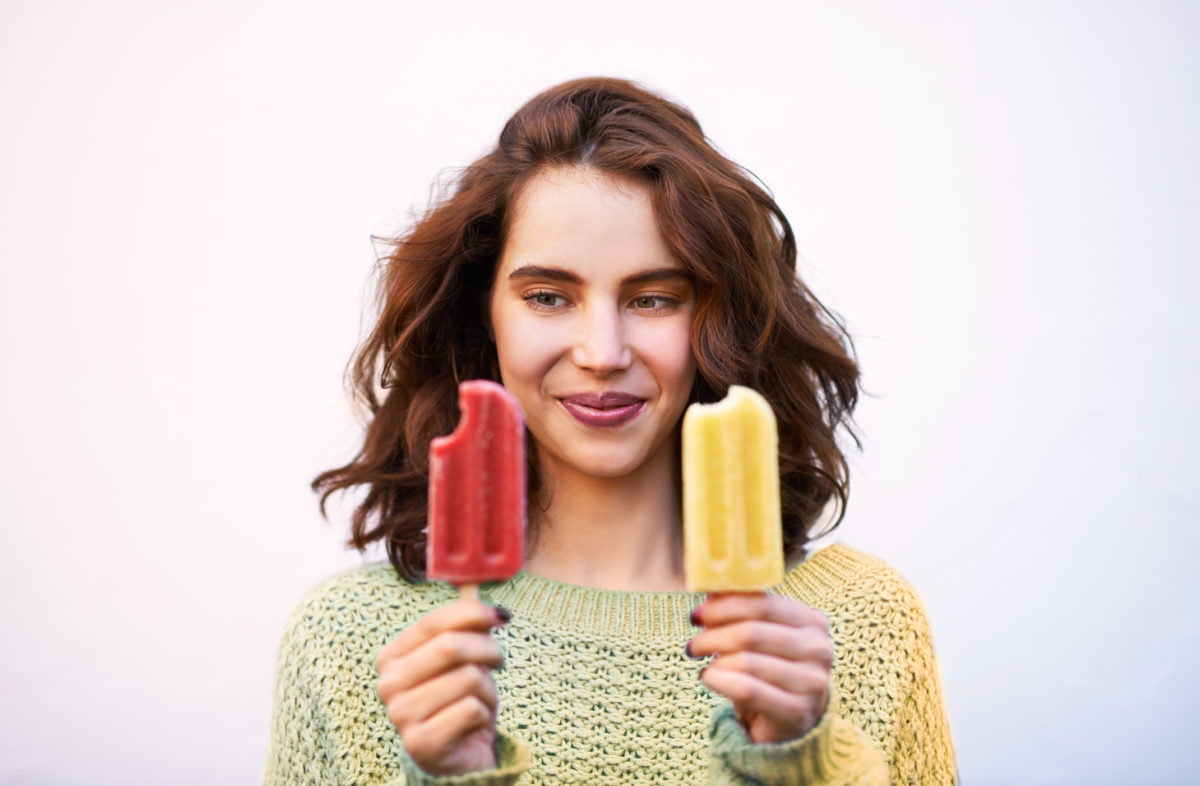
<point x="321" y="733"/>
<point x="834" y="753"/>
<point x="921" y="751"/>
<point x="512" y="759"/>
<point x="329" y="725"/>
<point x="886" y="685"/>
<point x="886" y="663"/>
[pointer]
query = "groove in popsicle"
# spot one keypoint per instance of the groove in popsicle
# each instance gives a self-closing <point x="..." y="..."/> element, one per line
<point x="489" y="420"/>
<point x="733" y="458"/>
<point x="715" y="459"/>
<point x="753" y="439"/>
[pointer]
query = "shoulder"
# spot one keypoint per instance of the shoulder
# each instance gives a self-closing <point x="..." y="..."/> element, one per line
<point x="371" y="602"/>
<point x="875" y="616"/>
<point x="837" y="572"/>
<point x="376" y="582"/>
<point x="859" y="592"/>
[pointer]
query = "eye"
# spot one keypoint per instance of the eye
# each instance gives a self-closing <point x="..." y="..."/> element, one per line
<point x="653" y="302"/>
<point x="544" y="300"/>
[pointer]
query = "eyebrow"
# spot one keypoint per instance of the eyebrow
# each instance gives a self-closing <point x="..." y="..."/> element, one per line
<point x="558" y="274"/>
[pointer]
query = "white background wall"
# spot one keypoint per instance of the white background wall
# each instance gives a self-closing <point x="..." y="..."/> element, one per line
<point x="1002" y="198"/>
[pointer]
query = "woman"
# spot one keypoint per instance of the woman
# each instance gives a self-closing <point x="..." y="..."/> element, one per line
<point x="609" y="267"/>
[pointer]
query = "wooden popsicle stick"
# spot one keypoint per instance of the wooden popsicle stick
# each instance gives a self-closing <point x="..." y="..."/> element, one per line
<point x="469" y="592"/>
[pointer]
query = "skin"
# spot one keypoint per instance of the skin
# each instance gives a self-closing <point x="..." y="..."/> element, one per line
<point x="435" y="680"/>
<point x="588" y="299"/>
<point x="773" y="661"/>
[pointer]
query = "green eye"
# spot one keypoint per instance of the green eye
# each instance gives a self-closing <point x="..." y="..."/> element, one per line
<point x="653" y="302"/>
<point x="544" y="300"/>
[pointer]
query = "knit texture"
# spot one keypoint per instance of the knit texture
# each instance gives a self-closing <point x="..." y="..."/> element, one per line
<point x="596" y="688"/>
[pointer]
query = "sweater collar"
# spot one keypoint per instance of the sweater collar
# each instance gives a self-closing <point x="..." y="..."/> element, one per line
<point x="644" y="615"/>
<point x="588" y="610"/>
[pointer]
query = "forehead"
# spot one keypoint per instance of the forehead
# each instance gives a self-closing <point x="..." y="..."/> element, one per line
<point x="575" y="215"/>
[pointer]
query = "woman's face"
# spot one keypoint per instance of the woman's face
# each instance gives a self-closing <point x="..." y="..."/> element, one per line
<point x="591" y="315"/>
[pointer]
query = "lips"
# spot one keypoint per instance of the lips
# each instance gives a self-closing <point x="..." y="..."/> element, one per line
<point x="603" y="410"/>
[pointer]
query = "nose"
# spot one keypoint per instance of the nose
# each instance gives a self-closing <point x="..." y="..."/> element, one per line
<point x="601" y="344"/>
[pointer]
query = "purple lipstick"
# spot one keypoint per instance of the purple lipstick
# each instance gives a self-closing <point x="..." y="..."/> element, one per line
<point x="604" y="410"/>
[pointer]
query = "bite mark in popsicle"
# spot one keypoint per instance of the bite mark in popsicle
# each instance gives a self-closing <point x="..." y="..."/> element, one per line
<point x="732" y="523"/>
<point x="476" y="522"/>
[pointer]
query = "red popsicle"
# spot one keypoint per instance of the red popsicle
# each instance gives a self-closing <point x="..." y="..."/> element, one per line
<point x="477" y="491"/>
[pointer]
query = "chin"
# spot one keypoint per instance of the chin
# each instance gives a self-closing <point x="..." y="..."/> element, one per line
<point x="608" y="464"/>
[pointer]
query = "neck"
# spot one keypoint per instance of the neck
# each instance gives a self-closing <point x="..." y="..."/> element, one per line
<point x="610" y="533"/>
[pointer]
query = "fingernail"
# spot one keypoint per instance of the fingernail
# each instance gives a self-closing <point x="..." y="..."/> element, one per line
<point x="694" y="617"/>
<point x="687" y="650"/>
<point x="502" y="614"/>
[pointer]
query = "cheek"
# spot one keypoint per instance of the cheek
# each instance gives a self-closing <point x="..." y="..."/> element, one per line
<point x="521" y="348"/>
<point x="672" y="350"/>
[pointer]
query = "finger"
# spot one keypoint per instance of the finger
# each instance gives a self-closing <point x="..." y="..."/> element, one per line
<point x="436" y="738"/>
<point x="768" y="638"/>
<point x="725" y="608"/>
<point x="433" y="696"/>
<point x="462" y="615"/>
<point x="790" y="714"/>
<point x="787" y="675"/>
<point x="447" y="651"/>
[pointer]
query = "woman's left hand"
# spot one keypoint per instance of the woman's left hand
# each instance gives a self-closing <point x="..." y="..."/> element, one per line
<point x="773" y="660"/>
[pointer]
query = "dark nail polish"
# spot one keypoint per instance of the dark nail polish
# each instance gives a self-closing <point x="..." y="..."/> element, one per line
<point x="694" y="617"/>
<point x="502" y="614"/>
<point x="687" y="650"/>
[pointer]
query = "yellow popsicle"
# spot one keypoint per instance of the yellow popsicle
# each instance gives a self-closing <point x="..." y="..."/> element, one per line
<point x="732" y="530"/>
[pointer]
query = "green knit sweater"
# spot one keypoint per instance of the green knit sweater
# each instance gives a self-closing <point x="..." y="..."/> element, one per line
<point x="596" y="688"/>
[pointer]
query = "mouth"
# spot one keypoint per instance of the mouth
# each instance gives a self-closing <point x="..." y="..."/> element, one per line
<point x="603" y="410"/>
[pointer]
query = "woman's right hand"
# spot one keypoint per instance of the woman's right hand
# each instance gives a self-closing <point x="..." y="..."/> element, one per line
<point x="435" y="680"/>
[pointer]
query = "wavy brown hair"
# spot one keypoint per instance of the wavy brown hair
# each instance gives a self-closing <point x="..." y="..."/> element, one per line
<point x="756" y="323"/>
